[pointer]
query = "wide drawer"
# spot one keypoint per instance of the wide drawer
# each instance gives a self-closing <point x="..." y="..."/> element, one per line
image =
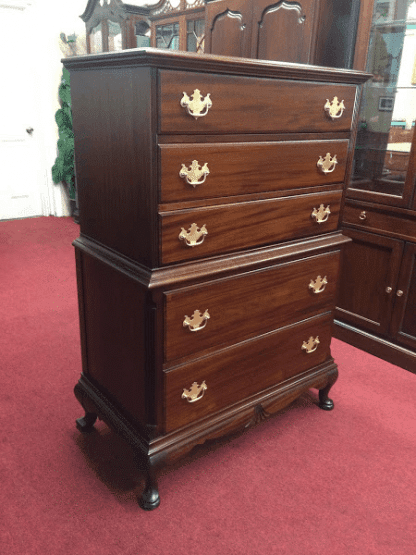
<point x="250" y="105"/>
<point x="203" y="318"/>
<point x="201" y="232"/>
<point x="395" y="225"/>
<point x="195" y="171"/>
<point x="233" y="374"/>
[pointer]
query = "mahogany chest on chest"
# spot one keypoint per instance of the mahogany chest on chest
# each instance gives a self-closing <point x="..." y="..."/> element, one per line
<point x="209" y="194"/>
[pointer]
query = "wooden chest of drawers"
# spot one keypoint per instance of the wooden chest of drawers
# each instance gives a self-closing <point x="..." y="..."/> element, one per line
<point x="209" y="193"/>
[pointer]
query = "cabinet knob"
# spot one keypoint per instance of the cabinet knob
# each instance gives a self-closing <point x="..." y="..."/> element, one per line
<point x="321" y="214"/>
<point x="196" y="105"/>
<point x="197" y="321"/>
<point x="389" y="289"/>
<point x="334" y="109"/>
<point x="363" y="215"/>
<point x="194" y="236"/>
<point x="196" y="174"/>
<point x="399" y="292"/>
<point x="195" y="393"/>
<point x="327" y="164"/>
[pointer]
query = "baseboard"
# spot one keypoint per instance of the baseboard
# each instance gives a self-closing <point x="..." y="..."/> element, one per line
<point x="377" y="346"/>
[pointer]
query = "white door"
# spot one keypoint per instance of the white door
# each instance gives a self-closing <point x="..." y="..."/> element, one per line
<point x="23" y="188"/>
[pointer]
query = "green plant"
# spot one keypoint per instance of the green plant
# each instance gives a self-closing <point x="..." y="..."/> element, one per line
<point x="64" y="169"/>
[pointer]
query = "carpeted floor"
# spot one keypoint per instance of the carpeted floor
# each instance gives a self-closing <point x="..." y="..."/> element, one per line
<point x="307" y="482"/>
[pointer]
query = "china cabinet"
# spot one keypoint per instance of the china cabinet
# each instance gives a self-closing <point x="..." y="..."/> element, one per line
<point x="376" y="309"/>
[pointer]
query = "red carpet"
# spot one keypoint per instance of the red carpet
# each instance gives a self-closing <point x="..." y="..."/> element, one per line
<point x="307" y="482"/>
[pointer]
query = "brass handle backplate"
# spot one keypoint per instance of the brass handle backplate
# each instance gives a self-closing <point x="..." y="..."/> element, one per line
<point x="194" y="236"/>
<point x="321" y="214"/>
<point x="197" y="321"/>
<point x="311" y="345"/>
<point x="196" y="175"/>
<point x="196" y="105"/>
<point x="327" y="164"/>
<point x="334" y="109"/>
<point x="318" y="286"/>
<point x="195" y="393"/>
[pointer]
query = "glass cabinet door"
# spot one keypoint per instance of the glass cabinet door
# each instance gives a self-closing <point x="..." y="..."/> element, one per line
<point x="382" y="169"/>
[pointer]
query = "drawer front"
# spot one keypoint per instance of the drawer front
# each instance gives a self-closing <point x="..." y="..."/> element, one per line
<point x="234" y="309"/>
<point x="233" y="374"/>
<point x="249" y="105"/>
<point x="188" y="234"/>
<point x="397" y="225"/>
<point x="196" y="171"/>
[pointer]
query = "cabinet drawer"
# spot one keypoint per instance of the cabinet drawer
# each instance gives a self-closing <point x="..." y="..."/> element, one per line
<point x="241" y="168"/>
<point x="241" y="307"/>
<point x="233" y="227"/>
<point x="397" y="225"/>
<point x="251" y="105"/>
<point x="243" y="370"/>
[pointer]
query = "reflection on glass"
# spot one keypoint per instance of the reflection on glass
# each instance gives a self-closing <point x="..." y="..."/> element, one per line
<point x="114" y="37"/>
<point x="388" y="108"/>
<point x="96" y="40"/>
<point x="195" y="35"/>
<point x="167" y="36"/>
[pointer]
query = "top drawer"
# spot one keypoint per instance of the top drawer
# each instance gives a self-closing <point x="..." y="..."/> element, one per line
<point x="251" y="105"/>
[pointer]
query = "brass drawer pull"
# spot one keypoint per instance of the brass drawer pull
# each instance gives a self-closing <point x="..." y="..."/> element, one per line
<point x="389" y="290"/>
<point x="198" y="106"/>
<point x="197" y="321"/>
<point x="194" y="236"/>
<point x="327" y="164"/>
<point x="195" y="393"/>
<point x="319" y="285"/>
<point x="334" y="109"/>
<point x="311" y="345"/>
<point x="321" y="214"/>
<point x="363" y="215"/>
<point x="196" y="175"/>
<point x="399" y="293"/>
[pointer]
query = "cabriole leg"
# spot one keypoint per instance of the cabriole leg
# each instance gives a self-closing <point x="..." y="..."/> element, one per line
<point x="86" y="423"/>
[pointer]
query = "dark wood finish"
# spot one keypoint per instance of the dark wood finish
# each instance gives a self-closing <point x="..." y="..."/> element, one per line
<point x="136" y="279"/>
<point x="370" y="265"/>
<point x="228" y="27"/>
<point x="240" y="309"/>
<point x="269" y="112"/>
<point x="237" y="168"/>
<point x="242" y="225"/>
<point x="403" y="323"/>
<point x="229" y="373"/>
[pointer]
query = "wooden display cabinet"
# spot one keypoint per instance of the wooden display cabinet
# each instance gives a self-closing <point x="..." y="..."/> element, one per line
<point x="376" y="309"/>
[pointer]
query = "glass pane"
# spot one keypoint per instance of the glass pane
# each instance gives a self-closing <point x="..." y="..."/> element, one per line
<point x="388" y="108"/>
<point x="114" y="36"/>
<point x="195" y="35"/>
<point x="167" y="36"/>
<point x="96" y="40"/>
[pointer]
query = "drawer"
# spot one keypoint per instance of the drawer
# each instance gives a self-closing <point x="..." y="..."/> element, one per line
<point x="250" y="105"/>
<point x="233" y="374"/>
<point x="242" y="307"/>
<point x="241" y="168"/>
<point x="396" y="225"/>
<point x="201" y="232"/>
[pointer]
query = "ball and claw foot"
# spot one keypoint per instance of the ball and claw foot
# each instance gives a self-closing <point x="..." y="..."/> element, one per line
<point x="86" y="423"/>
<point x="150" y="499"/>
